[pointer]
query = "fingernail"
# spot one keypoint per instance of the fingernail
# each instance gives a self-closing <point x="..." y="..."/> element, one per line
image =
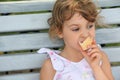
<point x="88" y="53"/>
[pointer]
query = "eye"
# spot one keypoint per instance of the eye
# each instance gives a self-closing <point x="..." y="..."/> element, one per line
<point x="89" y="26"/>
<point x="75" y="29"/>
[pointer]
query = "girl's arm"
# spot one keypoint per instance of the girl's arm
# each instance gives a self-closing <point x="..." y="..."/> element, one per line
<point x="47" y="72"/>
<point x="107" y="67"/>
<point x="103" y="72"/>
<point x="94" y="56"/>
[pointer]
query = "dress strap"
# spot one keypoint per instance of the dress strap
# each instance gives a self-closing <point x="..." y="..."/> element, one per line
<point x="57" y="63"/>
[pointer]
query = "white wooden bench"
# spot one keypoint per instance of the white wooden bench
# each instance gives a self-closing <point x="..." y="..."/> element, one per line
<point x="21" y="35"/>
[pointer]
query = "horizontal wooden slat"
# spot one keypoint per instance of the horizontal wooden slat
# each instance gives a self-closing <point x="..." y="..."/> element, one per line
<point x="32" y="61"/>
<point x="37" y="40"/>
<point x="35" y="76"/>
<point x="24" y="22"/>
<point x="111" y="16"/>
<point x="28" y="76"/>
<point x="116" y="72"/>
<point x="27" y="41"/>
<point x="28" y="6"/>
<point x="113" y="53"/>
<point x="107" y="3"/>
<point x="108" y="35"/>
<point x="21" y="61"/>
<point x="39" y="21"/>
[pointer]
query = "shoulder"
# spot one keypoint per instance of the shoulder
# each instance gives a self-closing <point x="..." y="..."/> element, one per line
<point x="47" y="72"/>
<point x="47" y="64"/>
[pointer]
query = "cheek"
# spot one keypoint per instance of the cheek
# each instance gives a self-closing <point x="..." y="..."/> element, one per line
<point x="70" y="39"/>
<point x="92" y="32"/>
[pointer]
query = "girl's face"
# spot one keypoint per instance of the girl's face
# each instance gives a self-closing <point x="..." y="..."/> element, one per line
<point x="76" y="30"/>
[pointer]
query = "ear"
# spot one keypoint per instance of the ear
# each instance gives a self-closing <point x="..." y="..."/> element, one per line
<point x="60" y="35"/>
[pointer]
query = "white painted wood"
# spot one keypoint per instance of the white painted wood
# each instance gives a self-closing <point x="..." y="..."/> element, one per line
<point x="107" y="3"/>
<point x="116" y="72"/>
<point x="113" y="53"/>
<point x="24" y="22"/>
<point x="111" y="16"/>
<point x="21" y="61"/>
<point x="35" y="76"/>
<point x="26" y="6"/>
<point x="27" y="42"/>
<point x="27" y="76"/>
<point x="39" y="21"/>
<point x="37" y="40"/>
<point x="33" y="60"/>
<point x="108" y="35"/>
<point x="37" y="5"/>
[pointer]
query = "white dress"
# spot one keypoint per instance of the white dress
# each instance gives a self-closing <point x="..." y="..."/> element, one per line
<point x="67" y="70"/>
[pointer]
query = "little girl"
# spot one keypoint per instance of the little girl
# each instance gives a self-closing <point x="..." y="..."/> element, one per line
<point x="73" y="21"/>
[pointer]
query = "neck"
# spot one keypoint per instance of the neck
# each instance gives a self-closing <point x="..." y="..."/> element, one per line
<point x="72" y="55"/>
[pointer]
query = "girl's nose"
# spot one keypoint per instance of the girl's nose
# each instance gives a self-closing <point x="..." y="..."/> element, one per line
<point x="85" y="33"/>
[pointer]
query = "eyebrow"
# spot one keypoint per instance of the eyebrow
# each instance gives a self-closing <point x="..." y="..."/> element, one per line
<point x="75" y="24"/>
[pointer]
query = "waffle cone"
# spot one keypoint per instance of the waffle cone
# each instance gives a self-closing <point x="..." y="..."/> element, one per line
<point x="86" y="43"/>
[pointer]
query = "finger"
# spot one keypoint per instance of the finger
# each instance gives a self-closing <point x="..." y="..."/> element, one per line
<point x="93" y="46"/>
<point x="95" y="55"/>
<point x="92" y="51"/>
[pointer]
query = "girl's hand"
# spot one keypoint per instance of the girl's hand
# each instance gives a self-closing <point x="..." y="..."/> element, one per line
<point x="93" y="55"/>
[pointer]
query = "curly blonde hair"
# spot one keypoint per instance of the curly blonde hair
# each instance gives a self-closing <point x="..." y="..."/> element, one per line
<point x="64" y="9"/>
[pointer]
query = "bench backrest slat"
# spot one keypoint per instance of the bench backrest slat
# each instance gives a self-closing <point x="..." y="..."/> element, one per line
<point x="21" y="61"/>
<point x="116" y="72"/>
<point x="29" y="76"/>
<point x="113" y="54"/>
<point x="108" y="3"/>
<point x="37" y="40"/>
<point x="34" y="21"/>
<point x="27" y="42"/>
<point x="28" y="6"/>
<point x="24" y="22"/>
<point x="34" y="60"/>
<point x="110" y="15"/>
<point x="109" y="35"/>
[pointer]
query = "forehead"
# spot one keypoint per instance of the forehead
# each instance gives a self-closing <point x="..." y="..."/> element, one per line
<point x="76" y="19"/>
<point x="76" y="16"/>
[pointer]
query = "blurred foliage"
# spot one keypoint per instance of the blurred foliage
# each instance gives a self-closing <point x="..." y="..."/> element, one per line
<point x="1" y="53"/>
<point x="112" y="44"/>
